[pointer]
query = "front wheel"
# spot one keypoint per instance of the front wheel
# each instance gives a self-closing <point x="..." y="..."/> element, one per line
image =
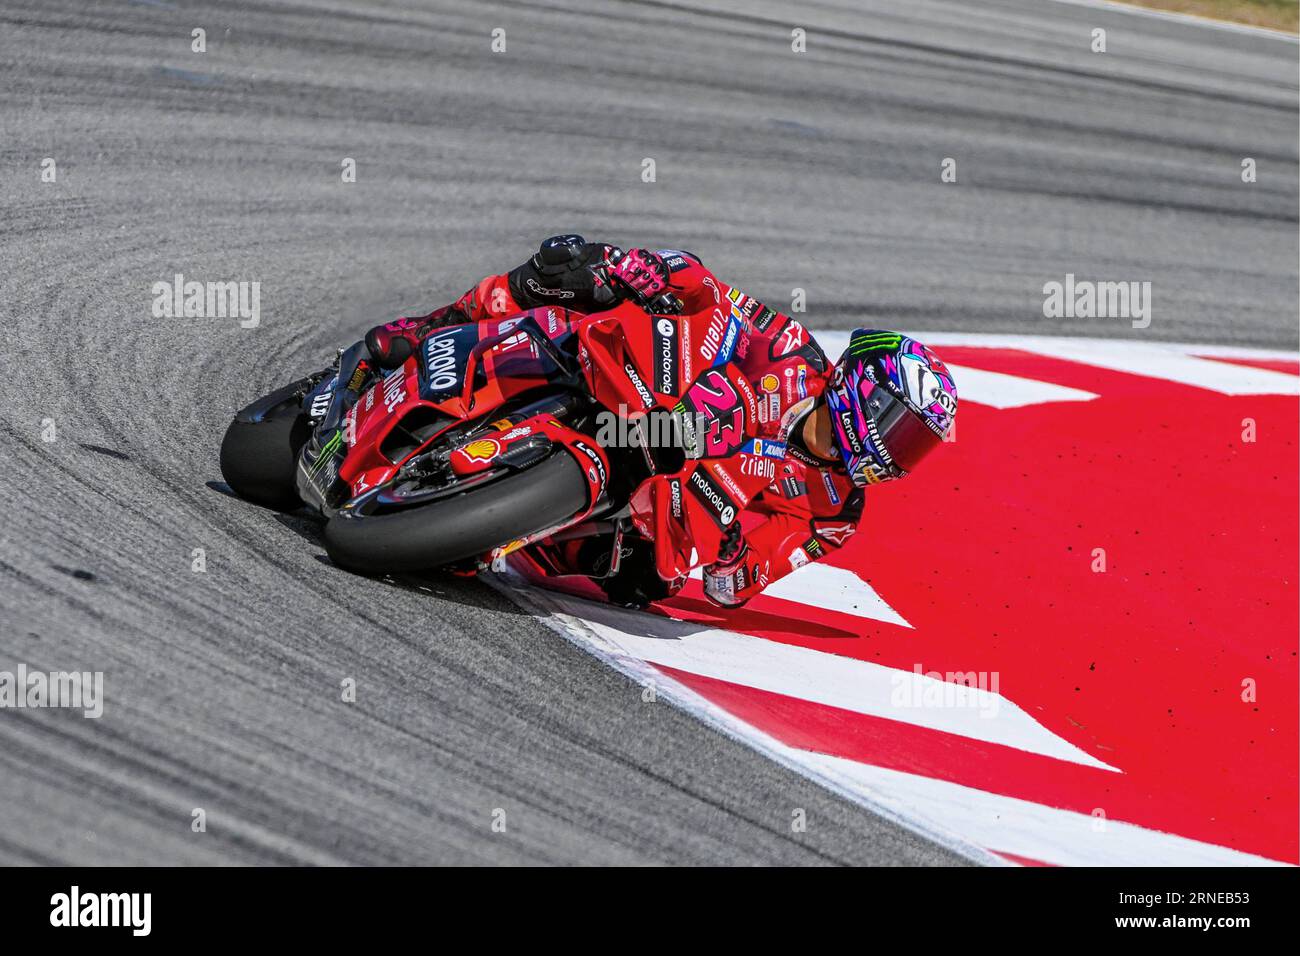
<point x="460" y="526"/>
<point x="259" y="454"/>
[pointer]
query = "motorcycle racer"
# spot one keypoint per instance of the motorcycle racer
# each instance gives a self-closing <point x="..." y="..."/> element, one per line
<point x="869" y="418"/>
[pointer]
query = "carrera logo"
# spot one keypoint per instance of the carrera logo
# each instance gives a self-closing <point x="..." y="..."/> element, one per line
<point x="646" y="398"/>
<point x="675" y="497"/>
<point x="667" y="374"/>
<point x="720" y="508"/>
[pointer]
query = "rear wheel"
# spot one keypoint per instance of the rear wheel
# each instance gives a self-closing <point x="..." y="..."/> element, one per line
<point x="460" y="526"/>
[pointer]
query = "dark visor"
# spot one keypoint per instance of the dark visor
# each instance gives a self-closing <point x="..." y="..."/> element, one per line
<point x="905" y="436"/>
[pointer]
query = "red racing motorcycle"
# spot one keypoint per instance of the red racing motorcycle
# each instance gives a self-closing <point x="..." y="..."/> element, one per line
<point x="527" y="433"/>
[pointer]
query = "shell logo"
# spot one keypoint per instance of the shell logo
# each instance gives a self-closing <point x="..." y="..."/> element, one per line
<point x="770" y="383"/>
<point x="484" y="449"/>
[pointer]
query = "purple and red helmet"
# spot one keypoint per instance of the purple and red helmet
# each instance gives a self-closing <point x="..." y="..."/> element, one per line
<point x="892" y="402"/>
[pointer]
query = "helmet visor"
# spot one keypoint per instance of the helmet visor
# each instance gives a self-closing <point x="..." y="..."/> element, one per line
<point x="902" y="433"/>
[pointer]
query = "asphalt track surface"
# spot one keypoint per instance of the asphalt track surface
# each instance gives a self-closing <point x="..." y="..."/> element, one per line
<point x="817" y="170"/>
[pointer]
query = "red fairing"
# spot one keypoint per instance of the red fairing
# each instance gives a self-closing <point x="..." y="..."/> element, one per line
<point x="432" y="379"/>
<point x="486" y="451"/>
<point x="737" y="374"/>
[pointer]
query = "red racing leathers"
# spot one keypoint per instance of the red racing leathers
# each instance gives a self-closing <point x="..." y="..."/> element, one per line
<point x="810" y="508"/>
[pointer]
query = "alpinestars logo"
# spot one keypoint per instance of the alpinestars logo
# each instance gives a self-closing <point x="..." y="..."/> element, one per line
<point x="538" y="289"/>
<point x="666" y="360"/>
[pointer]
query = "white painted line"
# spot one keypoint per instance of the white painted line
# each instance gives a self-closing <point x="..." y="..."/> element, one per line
<point x="710" y="714"/>
<point x="1173" y="362"/>
<point x="1010" y="391"/>
<point x="1031" y="343"/>
<point x="835" y="589"/>
<point x="965" y="820"/>
<point x="1049" y="834"/>
<point x="1172" y="366"/>
<point x="995" y="389"/>
<point x="830" y="679"/>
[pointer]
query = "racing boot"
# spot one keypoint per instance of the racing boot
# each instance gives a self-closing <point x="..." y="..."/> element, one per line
<point x="393" y="343"/>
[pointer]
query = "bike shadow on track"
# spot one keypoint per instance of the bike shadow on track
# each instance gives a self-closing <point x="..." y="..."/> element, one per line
<point x="465" y="590"/>
<point x="677" y="619"/>
<point x="674" y="620"/>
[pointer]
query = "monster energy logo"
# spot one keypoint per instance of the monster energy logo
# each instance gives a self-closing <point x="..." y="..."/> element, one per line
<point x="874" y="342"/>
<point x="327" y="452"/>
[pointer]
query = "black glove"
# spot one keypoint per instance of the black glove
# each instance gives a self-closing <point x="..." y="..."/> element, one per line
<point x="732" y="542"/>
<point x="566" y="271"/>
